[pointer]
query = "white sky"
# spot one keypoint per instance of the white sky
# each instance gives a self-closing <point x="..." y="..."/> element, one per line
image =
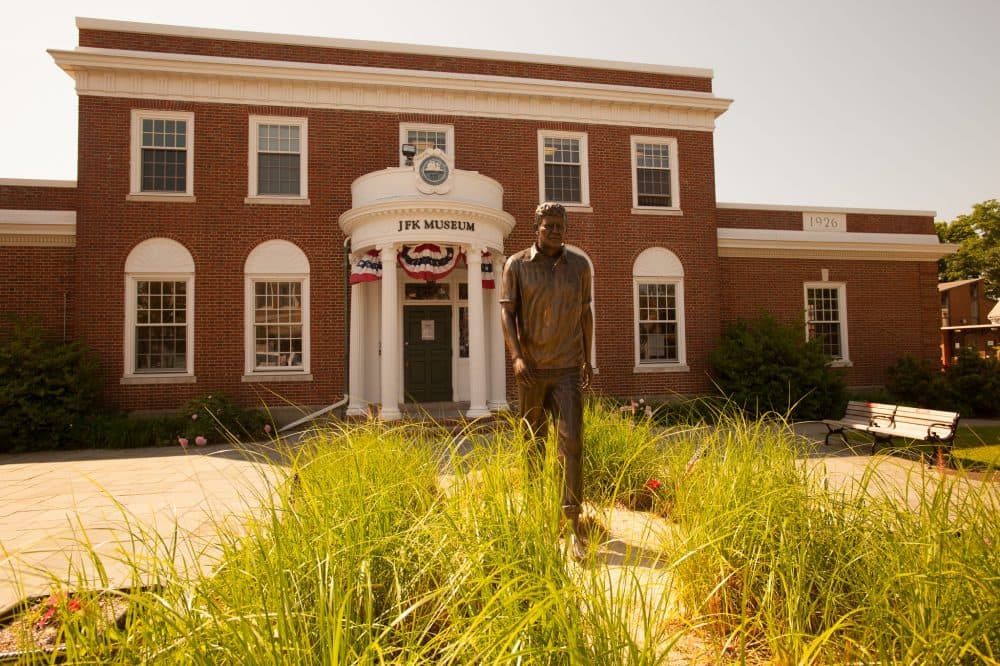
<point x="851" y="103"/>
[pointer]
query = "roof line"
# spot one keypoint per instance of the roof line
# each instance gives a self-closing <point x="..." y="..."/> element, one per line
<point x="84" y="23"/>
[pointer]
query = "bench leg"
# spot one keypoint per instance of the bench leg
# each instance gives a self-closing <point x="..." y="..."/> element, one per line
<point x="835" y="431"/>
<point x="876" y="440"/>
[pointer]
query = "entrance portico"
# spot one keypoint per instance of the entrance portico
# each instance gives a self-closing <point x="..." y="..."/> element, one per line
<point x="426" y="243"/>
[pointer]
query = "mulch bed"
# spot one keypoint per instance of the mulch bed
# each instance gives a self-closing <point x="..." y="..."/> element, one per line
<point x="36" y="625"/>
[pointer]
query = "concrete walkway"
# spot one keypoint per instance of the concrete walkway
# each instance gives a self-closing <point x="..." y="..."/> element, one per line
<point x="133" y="508"/>
<point x="139" y="509"/>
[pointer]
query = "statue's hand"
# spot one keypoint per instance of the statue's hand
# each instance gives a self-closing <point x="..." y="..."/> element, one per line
<point x="586" y="375"/>
<point x="522" y="372"/>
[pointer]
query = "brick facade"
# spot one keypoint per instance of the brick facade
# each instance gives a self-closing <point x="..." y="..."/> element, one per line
<point x="220" y="229"/>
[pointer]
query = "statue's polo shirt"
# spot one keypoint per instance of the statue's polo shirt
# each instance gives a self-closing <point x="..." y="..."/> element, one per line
<point x="550" y="295"/>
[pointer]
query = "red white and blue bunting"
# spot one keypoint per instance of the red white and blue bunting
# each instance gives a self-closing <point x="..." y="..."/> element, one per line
<point x="368" y="268"/>
<point x="426" y="261"/>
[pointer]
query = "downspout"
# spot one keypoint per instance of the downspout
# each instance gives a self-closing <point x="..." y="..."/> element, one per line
<point x="347" y="319"/>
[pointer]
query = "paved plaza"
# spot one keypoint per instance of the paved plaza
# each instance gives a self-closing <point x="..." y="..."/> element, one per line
<point x="132" y="507"/>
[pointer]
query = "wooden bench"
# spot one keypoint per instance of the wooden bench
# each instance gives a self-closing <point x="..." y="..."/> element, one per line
<point x="884" y="422"/>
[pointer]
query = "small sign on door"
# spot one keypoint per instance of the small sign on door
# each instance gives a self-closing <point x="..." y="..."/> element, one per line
<point x="427" y="329"/>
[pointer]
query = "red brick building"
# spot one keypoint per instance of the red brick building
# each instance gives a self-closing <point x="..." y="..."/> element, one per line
<point x="968" y="320"/>
<point x="295" y="219"/>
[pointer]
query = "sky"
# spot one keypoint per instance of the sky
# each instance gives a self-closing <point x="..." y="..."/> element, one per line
<point x="891" y="104"/>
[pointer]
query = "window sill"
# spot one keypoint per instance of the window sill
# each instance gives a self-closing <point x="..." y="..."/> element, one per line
<point x="261" y="377"/>
<point x="577" y="208"/>
<point x="136" y="380"/>
<point x="171" y="198"/>
<point x="668" y="212"/>
<point x="661" y="368"/>
<point x="277" y="201"/>
<point x="842" y="363"/>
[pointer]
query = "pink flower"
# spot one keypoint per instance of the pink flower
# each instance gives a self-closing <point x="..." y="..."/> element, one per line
<point x="200" y="441"/>
<point x="653" y="484"/>
<point x="194" y="417"/>
<point x="267" y="428"/>
<point x="183" y="441"/>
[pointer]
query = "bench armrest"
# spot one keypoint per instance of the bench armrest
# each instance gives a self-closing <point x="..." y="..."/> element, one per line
<point x="934" y="437"/>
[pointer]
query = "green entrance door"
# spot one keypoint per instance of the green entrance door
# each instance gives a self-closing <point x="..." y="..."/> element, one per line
<point x="427" y="353"/>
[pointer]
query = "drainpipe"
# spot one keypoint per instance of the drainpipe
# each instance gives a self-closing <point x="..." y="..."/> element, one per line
<point x="347" y="318"/>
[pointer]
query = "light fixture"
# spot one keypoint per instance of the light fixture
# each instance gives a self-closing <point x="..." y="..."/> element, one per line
<point x="409" y="150"/>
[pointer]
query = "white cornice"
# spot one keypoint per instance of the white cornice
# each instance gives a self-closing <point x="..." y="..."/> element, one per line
<point x="142" y="75"/>
<point x="827" y="209"/>
<point x="38" y="228"/>
<point x="767" y="243"/>
<point x="83" y="23"/>
<point x="34" y="182"/>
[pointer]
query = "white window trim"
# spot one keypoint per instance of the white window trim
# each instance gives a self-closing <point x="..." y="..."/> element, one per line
<point x="449" y="139"/>
<point x="130" y="375"/>
<point x="680" y="365"/>
<point x="302" y="198"/>
<point x="251" y="372"/>
<point x="675" y="189"/>
<point x="135" y="151"/>
<point x="584" y="202"/>
<point x="841" y="287"/>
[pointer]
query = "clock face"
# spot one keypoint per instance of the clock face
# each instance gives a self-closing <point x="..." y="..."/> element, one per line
<point x="434" y="170"/>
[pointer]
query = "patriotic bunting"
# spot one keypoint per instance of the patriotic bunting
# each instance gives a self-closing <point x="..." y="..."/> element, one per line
<point x="426" y="261"/>
<point x="368" y="268"/>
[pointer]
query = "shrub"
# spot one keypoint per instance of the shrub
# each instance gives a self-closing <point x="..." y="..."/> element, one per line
<point x="971" y="386"/>
<point x="764" y="366"/>
<point x="46" y="387"/>
<point x="216" y="418"/>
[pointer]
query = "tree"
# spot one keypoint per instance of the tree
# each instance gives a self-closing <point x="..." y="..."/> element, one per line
<point x="978" y="234"/>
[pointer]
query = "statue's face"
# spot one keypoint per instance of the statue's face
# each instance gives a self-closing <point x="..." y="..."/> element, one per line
<point x="551" y="232"/>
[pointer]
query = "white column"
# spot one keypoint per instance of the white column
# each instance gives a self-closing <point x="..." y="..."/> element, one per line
<point x="390" y="366"/>
<point x="356" y="378"/>
<point x="477" y="336"/>
<point x="498" y="353"/>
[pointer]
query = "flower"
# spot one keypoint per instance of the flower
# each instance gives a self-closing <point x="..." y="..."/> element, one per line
<point x="267" y="428"/>
<point x="183" y="441"/>
<point x="653" y="484"/>
<point x="200" y="441"/>
<point x="194" y="417"/>
<point x="52" y="605"/>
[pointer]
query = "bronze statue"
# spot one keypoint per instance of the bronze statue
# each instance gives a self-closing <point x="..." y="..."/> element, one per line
<point x="548" y="326"/>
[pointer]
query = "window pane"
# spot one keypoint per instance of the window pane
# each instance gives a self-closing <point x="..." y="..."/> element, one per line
<point x="657" y="323"/>
<point x="823" y="315"/>
<point x="278" y="324"/>
<point x="653" y="174"/>
<point x="277" y="174"/>
<point x="164" y="170"/>
<point x="160" y="332"/>
<point x="425" y="139"/>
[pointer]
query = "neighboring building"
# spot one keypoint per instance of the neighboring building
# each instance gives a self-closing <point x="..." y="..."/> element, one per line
<point x="245" y="220"/>
<point x="968" y="320"/>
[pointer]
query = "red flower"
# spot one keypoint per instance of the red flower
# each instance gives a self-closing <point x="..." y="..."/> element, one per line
<point x="52" y="605"/>
<point x="653" y="484"/>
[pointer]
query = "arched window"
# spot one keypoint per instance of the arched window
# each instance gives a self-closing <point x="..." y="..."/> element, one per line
<point x="159" y="313"/>
<point x="658" y="293"/>
<point x="277" y="313"/>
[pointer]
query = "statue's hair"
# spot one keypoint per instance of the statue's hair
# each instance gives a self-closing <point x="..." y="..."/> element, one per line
<point x="549" y="209"/>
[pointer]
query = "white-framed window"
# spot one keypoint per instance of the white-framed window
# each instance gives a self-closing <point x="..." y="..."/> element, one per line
<point x="563" y="174"/>
<point x="424" y="136"/>
<point x="826" y="318"/>
<point x="658" y="297"/>
<point x="277" y="313"/>
<point x="655" y="182"/>
<point x="278" y="160"/>
<point x="162" y="155"/>
<point x="159" y="313"/>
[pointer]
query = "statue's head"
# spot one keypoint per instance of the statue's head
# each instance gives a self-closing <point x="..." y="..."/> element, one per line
<point x="549" y="209"/>
<point x="550" y="227"/>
